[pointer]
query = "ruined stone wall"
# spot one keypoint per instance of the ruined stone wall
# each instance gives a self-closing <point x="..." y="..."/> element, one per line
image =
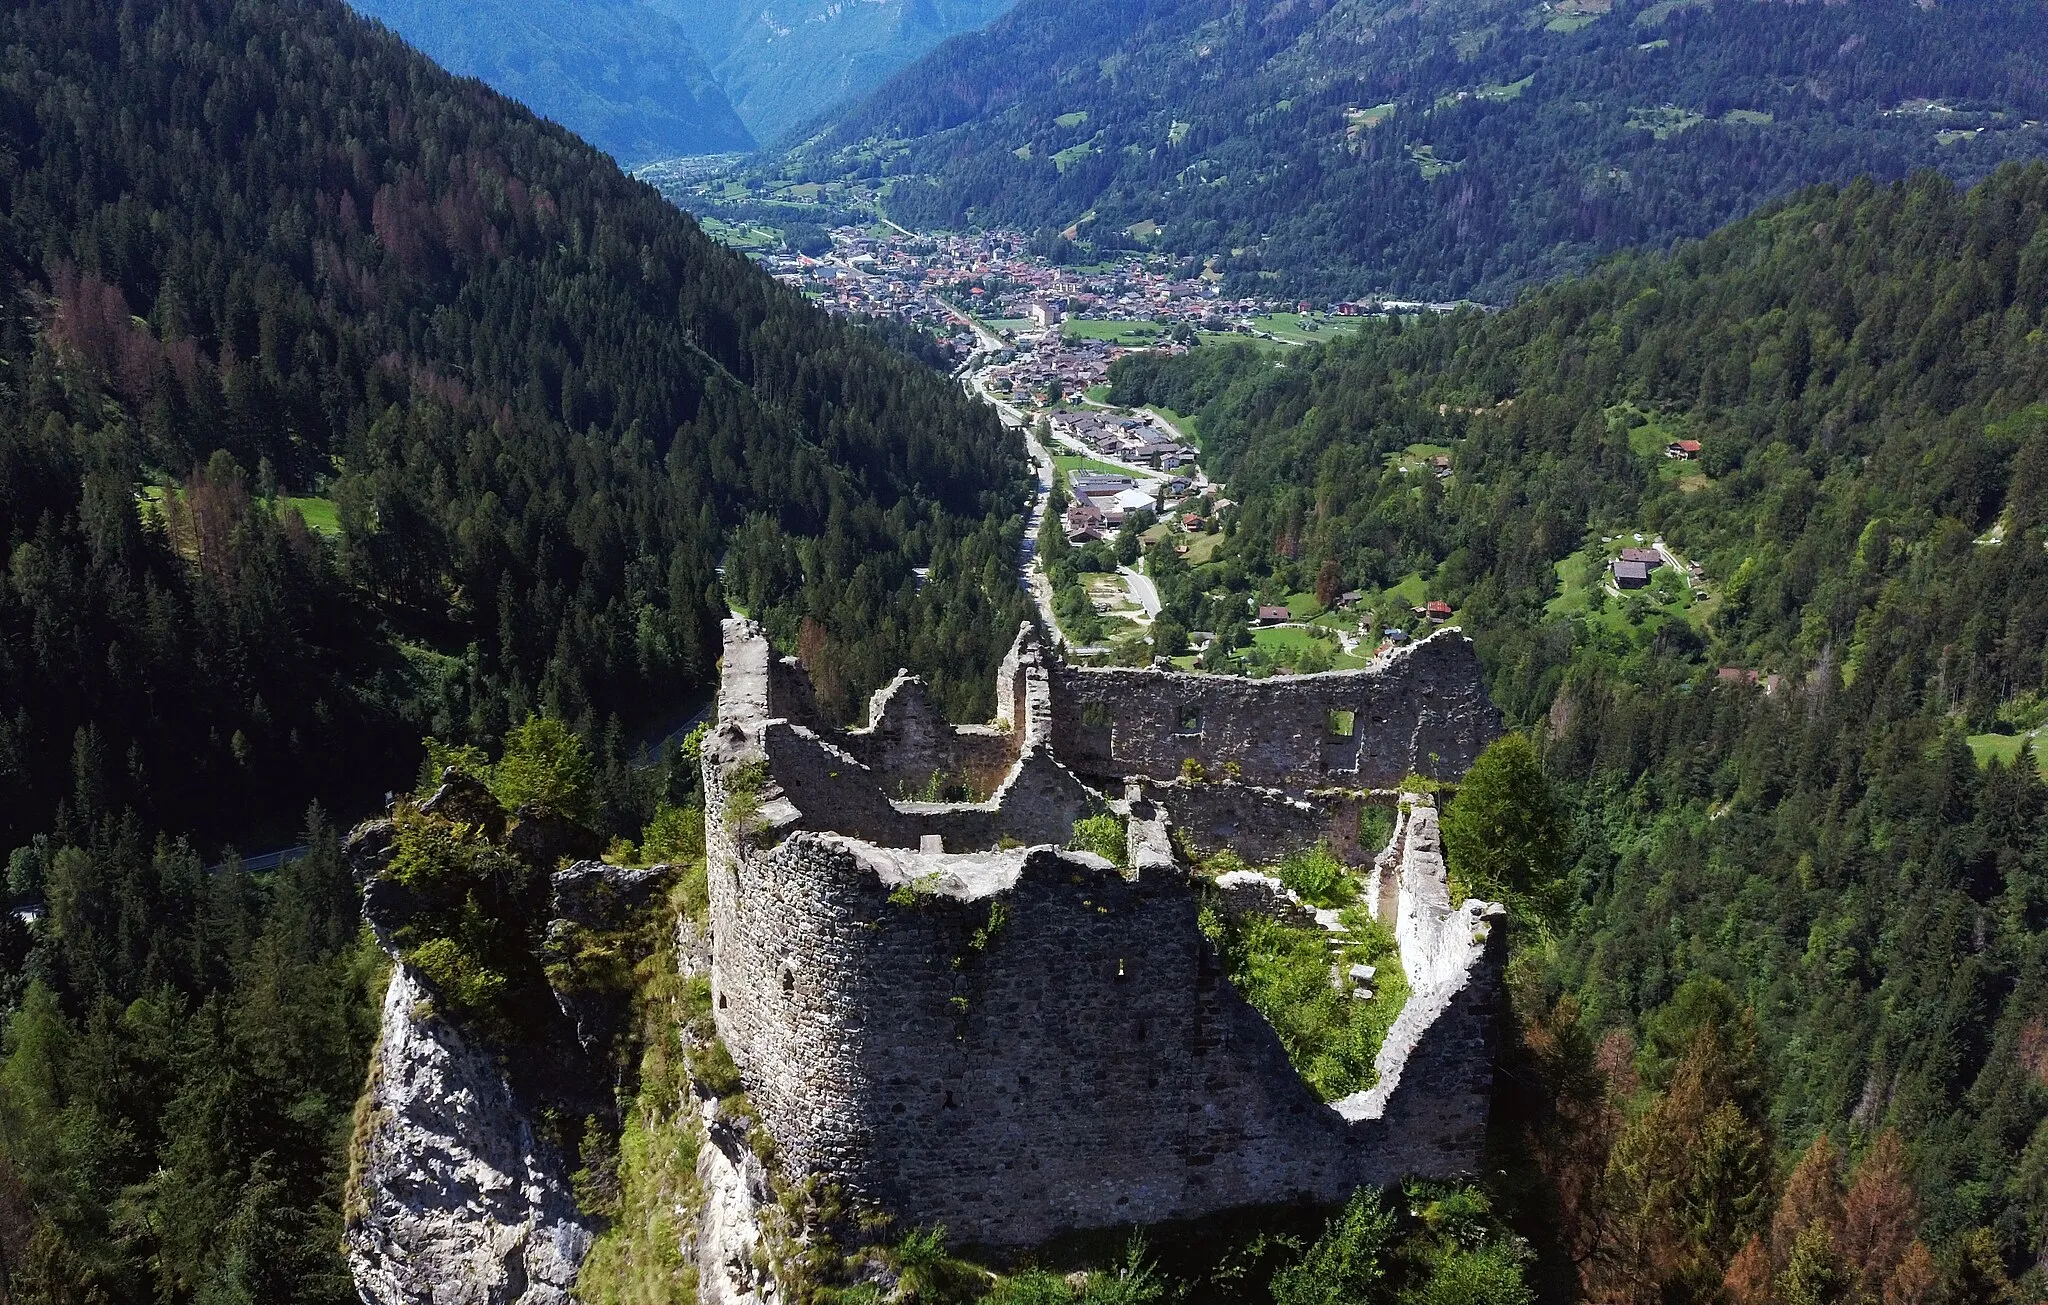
<point x="908" y="741"/>
<point x="1027" y="1044"/>
<point x="1262" y="825"/>
<point x="1436" y="1065"/>
<point x="1016" y="1041"/>
<point x="1424" y="710"/>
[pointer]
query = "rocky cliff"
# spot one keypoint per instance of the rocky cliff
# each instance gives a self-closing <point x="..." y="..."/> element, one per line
<point x="460" y="1190"/>
<point x="456" y="1199"/>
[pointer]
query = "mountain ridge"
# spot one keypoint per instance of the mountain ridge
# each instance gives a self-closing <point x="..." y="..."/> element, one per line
<point x="618" y="73"/>
<point x="1348" y="147"/>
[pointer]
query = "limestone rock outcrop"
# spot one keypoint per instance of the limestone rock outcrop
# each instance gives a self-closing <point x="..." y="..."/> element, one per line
<point x="457" y="1200"/>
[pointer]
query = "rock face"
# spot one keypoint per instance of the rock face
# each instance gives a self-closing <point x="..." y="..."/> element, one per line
<point x="461" y="1202"/>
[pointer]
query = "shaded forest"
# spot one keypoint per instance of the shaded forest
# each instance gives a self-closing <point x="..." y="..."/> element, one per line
<point x="524" y="401"/>
<point x="346" y="403"/>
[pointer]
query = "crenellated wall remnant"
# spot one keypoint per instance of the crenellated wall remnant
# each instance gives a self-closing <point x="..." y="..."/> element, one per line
<point x="936" y="1007"/>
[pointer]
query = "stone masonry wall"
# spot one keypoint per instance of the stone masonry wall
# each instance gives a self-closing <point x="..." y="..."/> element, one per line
<point x="1032" y="1044"/>
<point x="1424" y="710"/>
<point x="1016" y="1041"/>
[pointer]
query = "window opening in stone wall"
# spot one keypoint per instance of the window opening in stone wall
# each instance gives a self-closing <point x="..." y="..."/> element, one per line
<point x="1096" y="715"/>
<point x="1190" y="720"/>
<point x="789" y="981"/>
<point x="1343" y="724"/>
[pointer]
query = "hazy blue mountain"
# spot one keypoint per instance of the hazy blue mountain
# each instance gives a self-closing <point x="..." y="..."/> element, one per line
<point x="783" y="62"/>
<point x="619" y="73"/>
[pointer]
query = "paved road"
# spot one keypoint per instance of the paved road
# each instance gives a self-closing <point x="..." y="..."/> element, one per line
<point x="1143" y="591"/>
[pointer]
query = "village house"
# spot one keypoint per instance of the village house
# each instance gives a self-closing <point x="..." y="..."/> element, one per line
<point x="1630" y="575"/>
<point x="1085" y="521"/>
<point x="1271" y="615"/>
<point x="1683" y="450"/>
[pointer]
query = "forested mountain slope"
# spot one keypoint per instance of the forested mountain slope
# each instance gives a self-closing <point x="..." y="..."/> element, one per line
<point x="1438" y="149"/>
<point x="1809" y="855"/>
<point x="346" y="402"/>
<point x="531" y="398"/>
<point x="618" y="73"/>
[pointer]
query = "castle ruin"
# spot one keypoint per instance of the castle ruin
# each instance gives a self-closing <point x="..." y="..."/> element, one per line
<point x="934" y="1006"/>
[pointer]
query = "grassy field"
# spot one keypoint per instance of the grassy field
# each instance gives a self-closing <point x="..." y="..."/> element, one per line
<point x="1650" y="440"/>
<point x="1073" y="154"/>
<point x="1259" y="342"/>
<point x="319" y="514"/>
<point x="1285" y="645"/>
<point x="746" y="236"/>
<point x="2007" y="747"/>
<point x="1507" y="91"/>
<point x="1664" y="121"/>
<point x="1415" y="458"/>
<point x="1362" y="120"/>
<point x="1131" y="333"/>
<point x="1066" y="462"/>
<point x="1424" y="156"/>
<point x="1582" y="592"/>
<point x="1202" y="547"/>
<point x="1182" y="422"/>
<point x="1287" y="326"/>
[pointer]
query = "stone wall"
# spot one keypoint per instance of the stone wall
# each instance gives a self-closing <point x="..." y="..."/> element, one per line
<point x="1436" y="1065"/>
<point x="1029" y="1043"/>
<point x="1423" y="710"/>
<point x="1016" y="1041"/>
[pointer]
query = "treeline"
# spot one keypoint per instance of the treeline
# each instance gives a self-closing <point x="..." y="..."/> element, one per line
<point x="1368" y="149"/>
<point x="1773" y="793"/>
<point x="346" y="403"/>
<point x="533" y="398"/>
<point x="184" y="1050"/>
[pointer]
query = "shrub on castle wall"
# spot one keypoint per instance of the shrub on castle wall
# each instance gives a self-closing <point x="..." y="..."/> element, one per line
<point x="1103" y="834"/>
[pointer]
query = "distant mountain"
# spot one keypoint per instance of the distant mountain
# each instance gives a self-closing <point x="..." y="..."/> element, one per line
<point x="1435" y="148"/>
<point x="655" y="79"/>
<point x="619" y="73"/>
<point x="783" y="62"/>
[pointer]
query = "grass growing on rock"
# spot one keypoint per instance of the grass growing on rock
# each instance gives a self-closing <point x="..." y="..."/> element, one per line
<point x="1299" y="978"/>
<point x="639" y="1260"/>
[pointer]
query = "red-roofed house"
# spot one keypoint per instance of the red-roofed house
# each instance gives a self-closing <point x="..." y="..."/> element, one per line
<point x="1439" y="611"/>
<point x="1269" y="614"/>
<point x="1684" y="450"/>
